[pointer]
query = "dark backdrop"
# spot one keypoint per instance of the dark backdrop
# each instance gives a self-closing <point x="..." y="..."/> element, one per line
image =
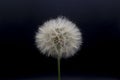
<point x="99" y="21"/>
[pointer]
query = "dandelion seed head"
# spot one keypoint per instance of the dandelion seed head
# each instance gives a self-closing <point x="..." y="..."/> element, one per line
<point x="58" y="38"/>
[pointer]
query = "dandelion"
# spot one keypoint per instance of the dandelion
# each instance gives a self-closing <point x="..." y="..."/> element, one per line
<point x="59" y="38"/>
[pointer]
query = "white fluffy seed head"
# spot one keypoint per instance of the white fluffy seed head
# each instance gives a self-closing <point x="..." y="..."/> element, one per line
<point x="58" y="38"/>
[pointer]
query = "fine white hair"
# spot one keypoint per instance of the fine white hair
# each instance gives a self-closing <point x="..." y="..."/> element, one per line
<point x="58" y="37"/>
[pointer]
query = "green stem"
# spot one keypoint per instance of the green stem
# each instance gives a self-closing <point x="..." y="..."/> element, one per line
<point x="59" y="76"/>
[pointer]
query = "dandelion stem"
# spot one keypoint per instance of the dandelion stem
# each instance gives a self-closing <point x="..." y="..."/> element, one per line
<point x="59" y="76"/>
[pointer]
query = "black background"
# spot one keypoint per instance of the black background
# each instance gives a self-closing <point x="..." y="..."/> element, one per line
<point x="99" y="21"/>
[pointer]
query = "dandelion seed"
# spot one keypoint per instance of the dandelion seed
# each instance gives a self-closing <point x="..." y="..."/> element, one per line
<point x="58" y="37"/>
